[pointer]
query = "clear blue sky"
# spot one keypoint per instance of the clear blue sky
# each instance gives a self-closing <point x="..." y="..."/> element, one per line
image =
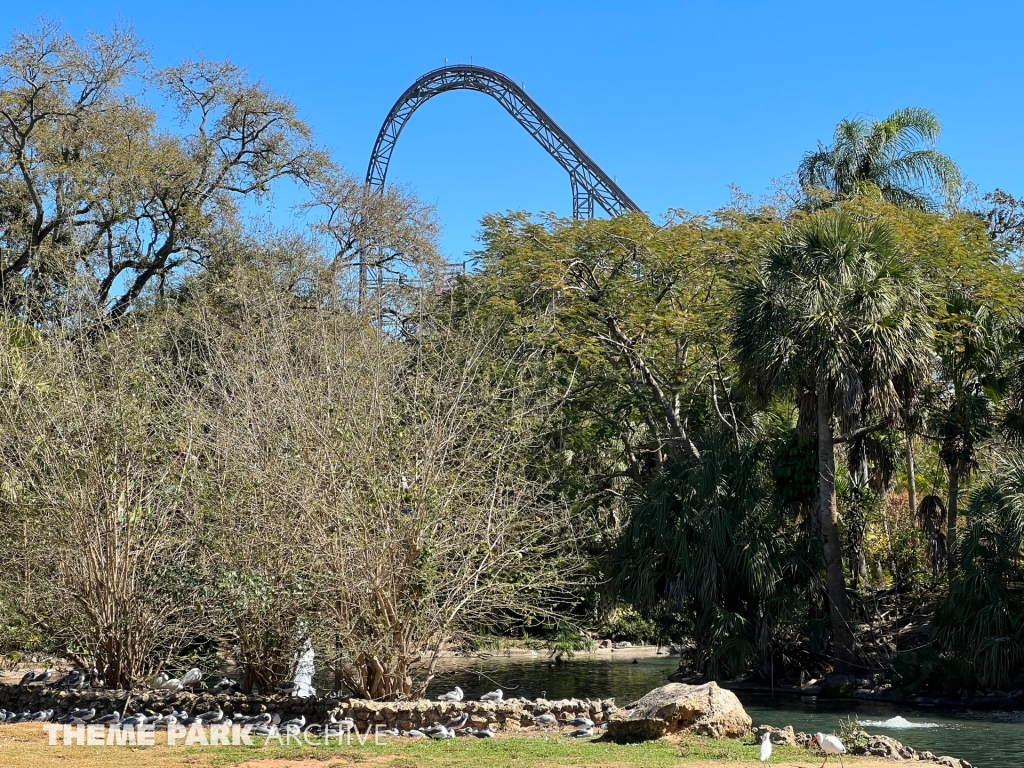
<point x="676" y="100"/>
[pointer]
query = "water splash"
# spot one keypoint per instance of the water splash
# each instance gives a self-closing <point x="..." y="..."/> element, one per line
<point x="897" y="723"/>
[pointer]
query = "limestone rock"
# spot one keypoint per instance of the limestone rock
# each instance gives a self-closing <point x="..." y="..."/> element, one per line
<point x="702" y="709"/>
<point x="884" y="746"/>
<point x="776" y="735"/>
<point x="623" y="727"/>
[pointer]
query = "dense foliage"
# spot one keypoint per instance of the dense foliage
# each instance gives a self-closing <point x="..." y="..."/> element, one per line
<point x="781" y="436"/>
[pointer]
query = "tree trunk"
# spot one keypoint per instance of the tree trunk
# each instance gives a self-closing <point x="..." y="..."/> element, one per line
<point x="951" y="513"/>
<point x="839" y="608"/>
<point x="911" y="480"/>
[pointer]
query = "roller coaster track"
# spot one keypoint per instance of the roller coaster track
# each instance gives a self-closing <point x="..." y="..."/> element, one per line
<point x="590" y="185"/>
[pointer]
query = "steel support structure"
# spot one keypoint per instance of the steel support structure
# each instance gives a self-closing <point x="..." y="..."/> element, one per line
<point x="590" y="185"/>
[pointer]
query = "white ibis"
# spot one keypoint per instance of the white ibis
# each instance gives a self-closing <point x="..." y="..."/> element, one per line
<point x="830" y="745"/>
<point x="455" y="695"/>
<point x="495" y="696"/>
<point x="766" y="747"/>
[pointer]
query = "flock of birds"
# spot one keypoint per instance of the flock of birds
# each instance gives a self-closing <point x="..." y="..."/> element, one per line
<point x="267" y="724"/>
<point x="263" y="724"/>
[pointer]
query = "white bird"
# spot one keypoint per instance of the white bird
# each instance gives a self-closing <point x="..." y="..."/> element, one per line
<point x="174" y="684"/>
<point x="546" y="719"/>
<point x="191" y="677"/>
<point x="441" y="734"/>
<point x="766" y="747"/>
<point x="159" y="680"/>
<point x="495" y="696"/>
<point x="455" y="695"/>
<point x="414" y="734"/>
<point x="830" y="745"/>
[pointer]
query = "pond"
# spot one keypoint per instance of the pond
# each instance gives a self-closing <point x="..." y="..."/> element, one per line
<point x="988" y="739"/>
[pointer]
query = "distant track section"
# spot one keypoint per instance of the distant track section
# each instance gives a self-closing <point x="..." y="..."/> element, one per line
<point x="590" y="185"/>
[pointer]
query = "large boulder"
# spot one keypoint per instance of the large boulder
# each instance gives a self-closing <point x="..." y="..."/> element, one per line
<point x="706" y="710"/>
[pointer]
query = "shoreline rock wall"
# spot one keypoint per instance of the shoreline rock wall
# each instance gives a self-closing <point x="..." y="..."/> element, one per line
<point x="509" y="715"/>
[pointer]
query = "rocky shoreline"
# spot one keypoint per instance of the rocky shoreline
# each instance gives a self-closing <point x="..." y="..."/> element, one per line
<point x="708" y="710"/>
<point x="509" y="715"/>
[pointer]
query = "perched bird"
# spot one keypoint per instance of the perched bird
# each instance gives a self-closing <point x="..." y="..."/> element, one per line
<point x="112" y="719"/>
<point x="581" y="733"/>
<point x="455" y="695"/>
<point x="414" y="734"/>
<point x="135" y="720"/>
<point x="830" y="745"/>
<point x="192" y="678"/>
<point x="227" y="684"/>
<point x="27" y="678"/>
<point x="495" y="696"/>
<point x="213" y="716"/>
<point x="79" y="716"/>
<point x="546" y="719"/>
<point x="43" y="676"/>
<point x="580" y="722"/>
<point x="766" y="747"/>
<point x="160" y="679"/>
<point x="459" y="721"/>
<point x="174" y="684"/>
<point x="484" y="733"/>
<point x="441" y="734"/>
<point x="70" y="680"/>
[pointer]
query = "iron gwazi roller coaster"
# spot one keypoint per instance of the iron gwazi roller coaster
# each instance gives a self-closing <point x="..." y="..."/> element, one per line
<point x="590" y="185"/>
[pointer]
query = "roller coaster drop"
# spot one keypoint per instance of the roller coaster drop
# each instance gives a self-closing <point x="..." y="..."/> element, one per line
<point x="590" y="184"/>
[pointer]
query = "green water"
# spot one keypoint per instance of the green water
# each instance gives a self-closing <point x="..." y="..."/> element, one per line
<point x="987" y="739"/>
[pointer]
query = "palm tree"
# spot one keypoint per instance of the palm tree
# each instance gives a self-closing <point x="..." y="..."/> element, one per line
<point x="897" y="155"/>
<point x="834" y="306"/>
<point x="974" y="374"/>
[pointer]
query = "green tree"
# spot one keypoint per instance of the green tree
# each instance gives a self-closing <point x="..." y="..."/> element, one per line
<point x="100" y="202"/>
<point x="835" y="308"/>
<point x="897" y="155"/>
<point x="971" y="346"/>
<point x="982" y="618"/>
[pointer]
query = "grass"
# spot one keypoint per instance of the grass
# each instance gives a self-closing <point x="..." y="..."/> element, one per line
<point x="25" y="746"/>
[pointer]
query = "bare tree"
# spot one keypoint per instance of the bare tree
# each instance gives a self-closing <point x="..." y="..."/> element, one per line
<point x="374" y="491"/>
<point x="100" y="537"/>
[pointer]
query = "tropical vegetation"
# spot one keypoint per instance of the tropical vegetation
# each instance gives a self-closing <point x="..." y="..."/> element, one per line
<point x="784" y="437"/>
